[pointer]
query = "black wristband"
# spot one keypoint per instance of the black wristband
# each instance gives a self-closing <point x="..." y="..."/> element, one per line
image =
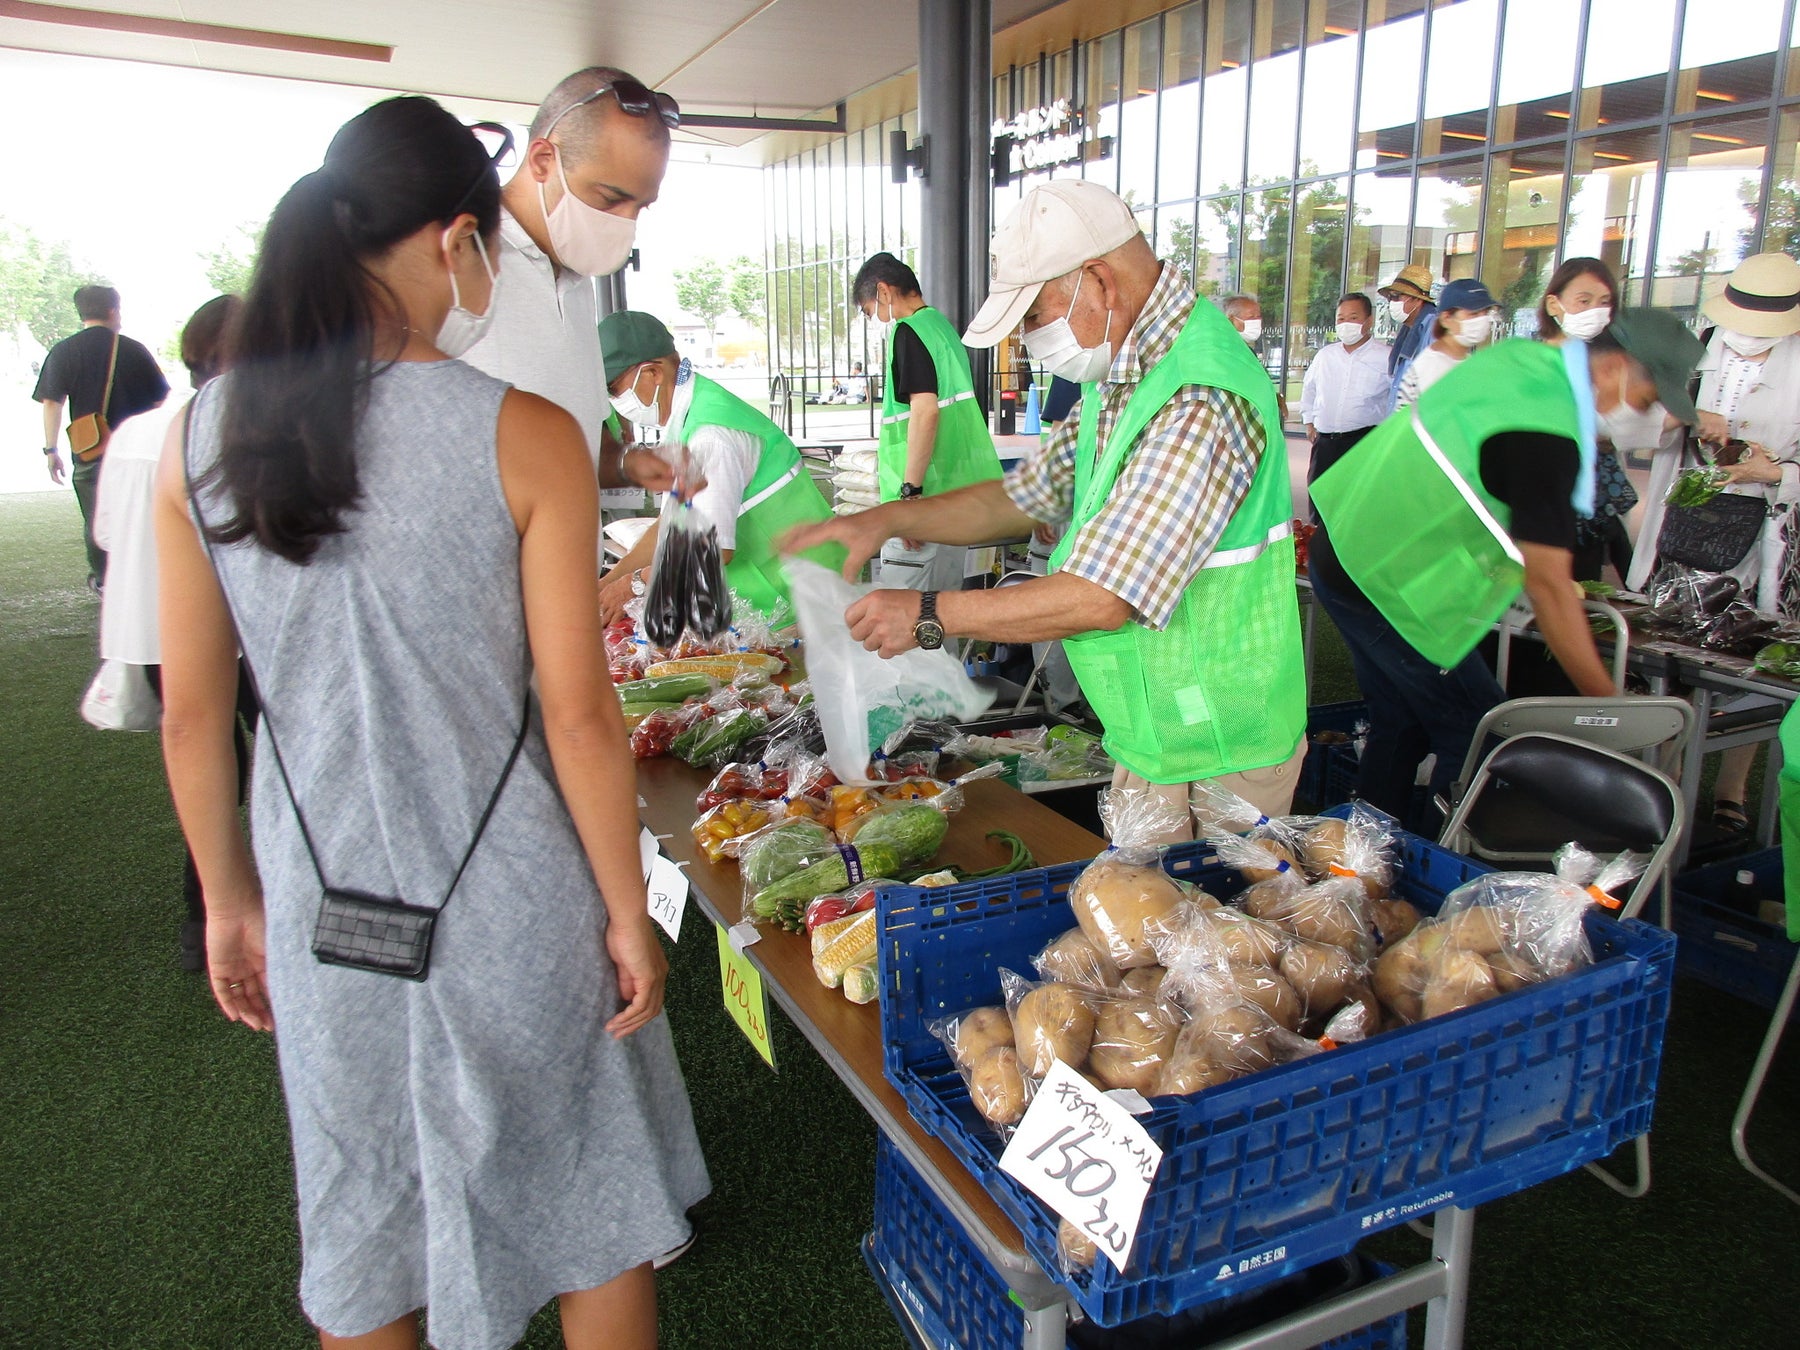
<point x="50" y="450"/>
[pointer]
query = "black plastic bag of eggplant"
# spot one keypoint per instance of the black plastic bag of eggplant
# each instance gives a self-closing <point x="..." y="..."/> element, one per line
<point x="687" y="590"/>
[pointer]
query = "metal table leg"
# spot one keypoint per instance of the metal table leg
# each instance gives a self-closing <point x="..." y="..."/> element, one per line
<point x="1753" y="1089"/>
<point x="1047" y="1328"/>
<point x="1453" y="1246"/>
<point x="1693" y="762"/>
<point x="1312" y="619"/>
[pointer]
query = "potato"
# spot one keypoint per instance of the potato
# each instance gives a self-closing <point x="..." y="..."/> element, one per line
<point x="1203" y="899"/>
<point x="1189" y="1069"/>
<point x="1248" y="941"/>
<point x="1395" y="919"/>
<point x="1073" y="959"/>
<point x="1235" y="1038"/>
<point x="1269" y="990"/>
<point x="1268" y="900"/>
<point x="1512" y="971"/>
<point x="1335" y="913"/>
<point x="980" y="1030"/>
<point x="1322" y="847"/>
<point x="1378" y="882"/>
<point x="1325" y="977"/>
<point x="1371" y="1022"/>
<point x="1132" y="1039"/>
<point x="1074" y="1246"/>
<point x="1115" y="903"/>
<point x="1053" y="1021"/>
<point x="1459" y="979"/>
<point x="1479" y="928"/>
<point x="1145" y="981"/>
<point x="997" y="1087"/>
<point x="1256" y="874"/>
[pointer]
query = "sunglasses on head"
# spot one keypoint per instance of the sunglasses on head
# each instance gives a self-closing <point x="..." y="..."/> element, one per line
<point x="635" y="98"/>
<point x="501" y="146"/>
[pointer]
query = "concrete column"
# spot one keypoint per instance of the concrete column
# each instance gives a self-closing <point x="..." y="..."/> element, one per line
<point x="955" y="110"/>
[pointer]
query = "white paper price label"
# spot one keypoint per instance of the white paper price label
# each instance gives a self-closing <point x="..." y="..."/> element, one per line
<point x="647" y="850"/>
<point x="1083" y="1155"/>
<point x="668" y="888"/>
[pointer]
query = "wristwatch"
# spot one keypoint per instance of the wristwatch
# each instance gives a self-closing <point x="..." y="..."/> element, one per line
<point x="910" y="490"/>
<point x="49" y="449"/>
<point x="928" y="632"/>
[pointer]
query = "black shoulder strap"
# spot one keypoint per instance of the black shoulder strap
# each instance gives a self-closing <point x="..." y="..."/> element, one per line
<point x="187" y="422"/>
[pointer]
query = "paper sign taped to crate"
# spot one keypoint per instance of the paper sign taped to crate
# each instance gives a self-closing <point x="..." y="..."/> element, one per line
<point x="1082" y="1154"/>
<point x="668" y="889"/>
<point x="647" y="850"/>
<point x="745" y="999"/>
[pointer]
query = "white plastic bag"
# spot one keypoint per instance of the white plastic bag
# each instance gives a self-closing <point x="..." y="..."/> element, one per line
<point x="864" y="698"/>
<point x="120" y="699"/>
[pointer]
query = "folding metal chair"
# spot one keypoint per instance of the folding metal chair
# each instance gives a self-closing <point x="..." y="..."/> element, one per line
<point x="1537" y="792"/>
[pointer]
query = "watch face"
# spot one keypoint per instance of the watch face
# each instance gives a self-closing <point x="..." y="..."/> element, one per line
<point x="929" y="635"/>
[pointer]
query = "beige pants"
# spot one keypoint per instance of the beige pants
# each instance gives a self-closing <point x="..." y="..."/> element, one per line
<point x="1269" y="790"/>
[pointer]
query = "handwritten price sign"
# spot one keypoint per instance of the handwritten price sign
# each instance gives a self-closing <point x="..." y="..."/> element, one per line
<point x="668" y="889"/>
<point x="745" y="999"/>
<point x="1083" y="1155"/>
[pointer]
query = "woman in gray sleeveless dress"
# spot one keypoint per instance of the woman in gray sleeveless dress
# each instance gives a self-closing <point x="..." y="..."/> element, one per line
<point x="405" y="543"/>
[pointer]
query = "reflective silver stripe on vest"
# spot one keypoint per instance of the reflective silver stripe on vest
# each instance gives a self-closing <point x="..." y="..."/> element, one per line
<point x="1485" y="516"/>
<point x="942" y="403"/>
<point x="1231" y="557"/>
<point x="768" y="492"/>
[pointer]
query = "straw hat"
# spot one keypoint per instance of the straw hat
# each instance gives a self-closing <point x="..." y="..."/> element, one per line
<point x="1414" y="280"/>
<point x="1761" y="298"/>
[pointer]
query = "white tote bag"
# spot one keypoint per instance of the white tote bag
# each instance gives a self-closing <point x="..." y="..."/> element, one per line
<point x="120" y="699"/>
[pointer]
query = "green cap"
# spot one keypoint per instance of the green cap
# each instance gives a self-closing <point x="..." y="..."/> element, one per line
<point x="1667" y="350"/>
<point x="630" y="337"/>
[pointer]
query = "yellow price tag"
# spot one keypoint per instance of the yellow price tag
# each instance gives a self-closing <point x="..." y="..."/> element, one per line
<point x="744" y="996"/>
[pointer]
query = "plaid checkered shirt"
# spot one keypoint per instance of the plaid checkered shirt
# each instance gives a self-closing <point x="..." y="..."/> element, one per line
<point x="1177" y="490"/>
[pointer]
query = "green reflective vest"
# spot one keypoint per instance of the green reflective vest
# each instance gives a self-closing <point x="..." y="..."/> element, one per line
<point x="1790" y="818"/>
<point x="780" y="495"/>
<point x="1223" y="687"/>
<point x="963" y="452"/>
<point x="1409" y="518"/>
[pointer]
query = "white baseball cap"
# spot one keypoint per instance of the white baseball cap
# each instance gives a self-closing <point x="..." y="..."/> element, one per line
<point x="1053" y="231"/>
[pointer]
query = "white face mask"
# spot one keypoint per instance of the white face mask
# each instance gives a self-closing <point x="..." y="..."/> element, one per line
<point x="1475" y="329"/>
<point x="584" y="239"/>
<point x="1060" y="351"/>
<point x="1629" y="429"/>
<point x="1398" y="309"/>
<point x="1350" y="333"/>
<point x="1252" y="331"/>
<point x="461" y="328"/>
<point x="633" y="409"/>
<point x="1587" y="325"/>
<point x="1745" y="345"/>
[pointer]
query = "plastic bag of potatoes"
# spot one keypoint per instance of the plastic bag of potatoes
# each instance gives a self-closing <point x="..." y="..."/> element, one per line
<point x="1498" y="933"/>
<point x="980" y="1042"/>
<point x="1124" y="891"/>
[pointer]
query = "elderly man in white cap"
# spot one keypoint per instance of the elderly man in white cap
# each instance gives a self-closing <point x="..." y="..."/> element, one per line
<point x="1173" y="588"/>
<point x="1749" y="394"/>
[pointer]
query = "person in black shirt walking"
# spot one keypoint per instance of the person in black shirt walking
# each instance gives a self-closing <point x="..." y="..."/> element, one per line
<point x="76" y="373"/>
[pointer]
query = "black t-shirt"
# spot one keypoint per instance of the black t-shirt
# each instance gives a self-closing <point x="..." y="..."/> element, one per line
<point x="914" y="370"/>
<point x="75" y="372"/>
<point x="1532" y="472"/>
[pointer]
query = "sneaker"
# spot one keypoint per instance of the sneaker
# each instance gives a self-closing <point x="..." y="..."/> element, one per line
<point x="674" y="1253"/>
<point x="193" y="945"/>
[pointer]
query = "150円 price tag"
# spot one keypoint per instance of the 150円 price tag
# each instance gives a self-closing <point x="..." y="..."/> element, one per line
<point x="1083" y="1155"/>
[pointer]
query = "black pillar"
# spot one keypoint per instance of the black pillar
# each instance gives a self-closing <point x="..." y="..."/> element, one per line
<point x="956" y="102"/>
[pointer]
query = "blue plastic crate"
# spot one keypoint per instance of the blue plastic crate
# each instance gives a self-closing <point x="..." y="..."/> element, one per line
<point x="1725" y="947"/>
<point x="1291" y="1167"/>
<point x="1328" y="773"/>
<point x="938" y="1274"/>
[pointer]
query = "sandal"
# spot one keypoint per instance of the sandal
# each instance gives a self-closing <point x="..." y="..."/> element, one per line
<point x="1729" y="818"/>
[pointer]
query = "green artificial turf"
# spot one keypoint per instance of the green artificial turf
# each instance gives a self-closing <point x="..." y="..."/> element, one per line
<point x="146" y="1194"/>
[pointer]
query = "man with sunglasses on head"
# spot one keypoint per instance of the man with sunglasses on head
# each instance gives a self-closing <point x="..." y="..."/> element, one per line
<point x="598" y="149"/>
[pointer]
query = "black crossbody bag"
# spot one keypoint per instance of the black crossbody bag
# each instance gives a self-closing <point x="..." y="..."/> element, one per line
<point x="353" y="928"/>
<point x="1715" y="536"/>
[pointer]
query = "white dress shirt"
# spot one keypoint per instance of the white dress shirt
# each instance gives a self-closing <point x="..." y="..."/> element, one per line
<point x="1346" y="390"/>
<point x="123" y="518"/>
<point x="545" y="335"/>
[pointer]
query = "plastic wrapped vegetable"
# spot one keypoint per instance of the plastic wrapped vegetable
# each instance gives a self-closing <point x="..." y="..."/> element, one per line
<point x="687" y="589"/>
<point x="1050" y="1022"/>
<point x="1697" y="486"/>
<point x="1133" y="1040"/>
<point x="1123" y="891"/>
<point x="728" y="821"/>
<point x="780" y="851"/>
<point x="980" y="1043"/>
<point x="1074" y="958"/>
<point x="1780" y="658"/>
<point x="1498" y="933"/>
<point x="855" y="900"/>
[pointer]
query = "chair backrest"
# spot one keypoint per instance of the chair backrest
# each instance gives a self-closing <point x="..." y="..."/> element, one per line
<point x="1539" y="791"/>
<point x="1623" y="724"/>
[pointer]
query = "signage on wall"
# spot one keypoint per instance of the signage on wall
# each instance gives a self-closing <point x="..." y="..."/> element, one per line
<point x="1042" y="138"/>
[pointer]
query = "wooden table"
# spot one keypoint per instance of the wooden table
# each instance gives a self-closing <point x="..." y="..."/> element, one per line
<point x="848" y="1037"/>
